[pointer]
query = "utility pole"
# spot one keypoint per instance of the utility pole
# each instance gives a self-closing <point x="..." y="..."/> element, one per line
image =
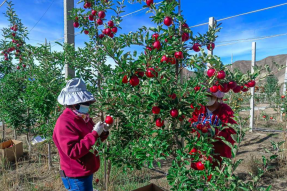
<point x="210" y="26"/>
<point x="253" y="63"/>
<point x="284" y="90"/>
<point x="231" y="60"/>
<point x="69" y="34"/>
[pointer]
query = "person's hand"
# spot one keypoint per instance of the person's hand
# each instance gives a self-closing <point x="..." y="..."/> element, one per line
<point x="108" y="126"/>
<point x="99" y="127"/>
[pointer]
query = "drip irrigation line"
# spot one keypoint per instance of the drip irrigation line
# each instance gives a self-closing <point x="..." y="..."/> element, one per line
<point x="242" y="14"/>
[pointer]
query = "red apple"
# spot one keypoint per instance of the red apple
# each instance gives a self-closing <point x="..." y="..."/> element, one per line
<point x="209" y="177"/>
<point x="264" y="116"/>
<point x="86" y="32"/>
<point x="178" y="55"/>
<point x="18" y="67"/>
<point x="114" y="29"/>
<point x="196" y="47"/>
<point x="125" y="79"/>
<point x="196" y="88"/>
<point x="94" y="12"/>
<point x="88" y="5"/>
<point x="149" y="2"/>
<point x="101" y="14"/>
<point x="155" y="36"/>
<point x="191" y="106"/>
<point x="232" y="84"/>
<point x="155" y="110"/>
<point x="185" y="37"/>
<point x="108" y="31"/>
<point x="159" y="122"/>
<point x="172" y="96"/>
<point x="223" y="87"/>
<point x="244" y="89"/>
<point x="140" y="73"/>
<point x="213" y="89"/>
<point x="251" y="84"/>
<point x="97" y="180"/>
<point x="221" y="74"/>
<point x="109" y="120"/>
<point x="237" y="89"/>
<point x="91" y="17"/>
<point x="271" y="117"/>
<point x="13" y="34"/>
<point x="181" y="118"/>
<point x="76" y="18"/>
<point x="99" y="21"/>
<point x="111" y="24"/>
<point x="211" y="46"/>
<point x="199" y="165"/>
<point x="76" y="24"/>
<point x="184" y="25"/>
<point x="111" y="35"/>
<point x="174" y="113"/>
<point x="150" y="73"/>
<point x="172" y="60"/>
<point x="156" y="45"/>
<point x="210" y="72"/>
<point x="283" y="96"/>
<point x="167" y="21"/>
<point x="24" y="65"/>
<point x="101" y="36"/>
<point x="134" y="81"/>
<point x="164" y="59"/>
<point x="193" y="151"/>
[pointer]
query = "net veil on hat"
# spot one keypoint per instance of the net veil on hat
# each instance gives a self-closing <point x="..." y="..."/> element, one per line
<point x="75" y="92"/>
<point x="219" y="94"/>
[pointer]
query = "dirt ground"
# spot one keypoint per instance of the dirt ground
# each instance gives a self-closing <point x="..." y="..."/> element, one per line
<point x="34" y="174"/>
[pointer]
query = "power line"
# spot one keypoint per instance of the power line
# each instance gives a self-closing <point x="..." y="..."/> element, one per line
<point x="42" y="15"/>
<point x="139" y="10"/>
<point x="242" y="14"/>
<point x="3" y="3"/>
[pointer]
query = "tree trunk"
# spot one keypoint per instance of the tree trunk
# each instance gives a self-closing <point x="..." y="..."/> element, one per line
<point x="50" y="164"/>
<point x="29" y="144"/>
<point x="109" y="166"/>
<point x="15" y="134"/>
<point x="3" y="130"/>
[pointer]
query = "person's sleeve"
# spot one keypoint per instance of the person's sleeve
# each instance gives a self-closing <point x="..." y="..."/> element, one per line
<point x="72" y="144"/>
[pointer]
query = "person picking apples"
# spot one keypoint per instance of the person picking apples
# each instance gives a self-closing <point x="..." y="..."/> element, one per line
<point x="218" y="114"/>
<point x="74" y="135"/>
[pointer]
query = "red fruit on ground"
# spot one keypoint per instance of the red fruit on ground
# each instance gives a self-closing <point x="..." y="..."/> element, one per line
<point x="210" y="72"/>
<point x="18" y="67"/>
<point x="196" y="46"/>
<point x="237" y="89"/>
<point x="155" y="36"/>
<point x="114" y="29"/>
<point x="178" y="55"/>
<point x="210" y="46"/>
<point x="174" y="113"/>
<point x="184" y="25"/>
<point x="213" y="89"/>
<point x="150" y="73"/>
<point x="88" y="5"/>
<point x="149" y="2"/>
<point x="101" y="36"/>
<point x="155" y="110"/>
<point x="164" y="59"/>
<point x="101" y="14"/>
<point x="172" y="60"/>
<point x="134" y="81"/>
<point x="86" y="32"/>
<point x="76" y="24"/>
<point x="125" y="79"/>
<point x="232" y="85"/>
<point x="159" y="122"/>
<point x="94" y="12"/>
<point x="156" y="45"/>
<point x="109" y="120"/>
<point x="100" y="22"/>
<point x="172" y="96"/>
<point x="251" y="84"/>
<point x="91" y="17"/>
<point x="221" y="75"/>
<point x="185" y="37"/>
<point x="167" y="21"/>
<point x="24" y="65"/>
<point x="196" y="88"/>
<point x="108" y="31"/>
<point x="223" y="87"/>
<point x="271" y="117"/>
<point x="283" y="96"/>
<point x="199" y="165"/>
<point x="111" y="24"/>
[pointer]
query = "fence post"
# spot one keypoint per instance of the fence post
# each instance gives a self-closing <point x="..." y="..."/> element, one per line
<point x="69" y="34"/>
<point x="253" y="62"/>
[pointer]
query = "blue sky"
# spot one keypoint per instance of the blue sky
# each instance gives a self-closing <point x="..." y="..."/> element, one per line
<point x="269" y="22"/>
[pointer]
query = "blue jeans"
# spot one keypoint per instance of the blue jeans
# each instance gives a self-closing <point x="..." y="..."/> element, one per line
<point x="78" y="184"/>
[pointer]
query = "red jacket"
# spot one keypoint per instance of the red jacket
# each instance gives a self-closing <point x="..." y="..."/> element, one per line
<point x="221" y="116"/>
<point x="74" y="138"/>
